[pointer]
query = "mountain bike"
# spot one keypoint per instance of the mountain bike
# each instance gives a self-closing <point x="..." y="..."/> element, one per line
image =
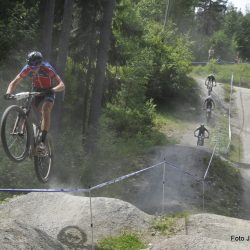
<point x="208" y="113"/>
<point x="210" y="84"/>
<point x="20" y="134"/>
<point x="200" y="140"/>
<point x="209" y="89"/>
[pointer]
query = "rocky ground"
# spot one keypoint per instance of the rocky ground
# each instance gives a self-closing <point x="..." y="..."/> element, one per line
<point x="62" y="221"/>
<point x="209" y="231"/>
<point x="67" y="218"/>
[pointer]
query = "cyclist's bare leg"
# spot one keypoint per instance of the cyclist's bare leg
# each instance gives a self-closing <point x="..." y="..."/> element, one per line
<point x="46" y="113"/>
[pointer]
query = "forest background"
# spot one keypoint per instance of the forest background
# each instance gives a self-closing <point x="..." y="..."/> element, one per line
<point x="122" y="62"/>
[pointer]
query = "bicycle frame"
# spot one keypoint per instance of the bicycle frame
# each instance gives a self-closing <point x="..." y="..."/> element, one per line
<point x="27" y="97"/>
<point x="27" y="108"/>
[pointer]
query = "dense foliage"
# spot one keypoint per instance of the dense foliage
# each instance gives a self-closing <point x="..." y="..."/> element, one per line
<point x="150" y="52"/>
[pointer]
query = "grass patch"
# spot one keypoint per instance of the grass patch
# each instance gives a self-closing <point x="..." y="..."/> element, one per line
<point x="235" y="152"/>
<point x="220" y="134"/>
<point x="227" y="91"/>
<point x="170" y="126"/>
<point x="126" y="241"/>
<point x="166" y="225"/>
<point x="223" y="189"/>
<point x="223" y="73"/>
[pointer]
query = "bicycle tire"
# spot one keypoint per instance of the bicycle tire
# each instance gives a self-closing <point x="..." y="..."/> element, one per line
<point x="16" y="137"/>
<point x="208" y="116"/>
<point x="200" y="142"/>
<point x="44" y="172"/>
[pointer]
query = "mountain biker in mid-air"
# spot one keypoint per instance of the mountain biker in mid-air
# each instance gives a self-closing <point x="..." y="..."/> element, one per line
<point x="45" y="80"/>
<point x="201" y="131"/>
<point x="210" y="81"/>
<point x="209" y="103"/>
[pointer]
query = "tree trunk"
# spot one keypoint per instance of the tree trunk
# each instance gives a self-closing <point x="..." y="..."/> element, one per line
<point x="61" y="60"/>
<point x="102" y="58"/>
<point x="64" y="37"/>
<point x="88" y="82"/>
<point x="47" y="28"/>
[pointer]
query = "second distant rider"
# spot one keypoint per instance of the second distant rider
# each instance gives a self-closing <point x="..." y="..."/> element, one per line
<point x="210" y="80"/>
<point x="201" y="131"/>
<point x="209" y="103"/>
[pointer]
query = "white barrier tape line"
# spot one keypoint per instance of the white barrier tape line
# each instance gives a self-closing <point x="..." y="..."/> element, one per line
<point x="211" y="158"/>
<point x="243" y="116"/>
<point x="124" y="177"/>
<point x="203" y="196"/>
<point x="229" y="115"/>
<point x="185" y="172"/>
<point x="54" y="190"/>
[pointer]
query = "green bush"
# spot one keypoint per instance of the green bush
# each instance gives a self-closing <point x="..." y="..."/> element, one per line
<point x="166" y="225"/>
<point x="131" y="121"/>
<point x="126" y="241"/>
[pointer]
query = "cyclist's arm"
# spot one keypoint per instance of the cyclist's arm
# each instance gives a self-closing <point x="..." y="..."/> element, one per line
<point x="195" y="131"/>
<point x="60" y="85"/>
<point x="13" y="84"/>
<point x="207" y="133"/>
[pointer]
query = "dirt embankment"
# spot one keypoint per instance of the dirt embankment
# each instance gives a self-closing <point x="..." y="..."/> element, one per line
<point x="241" y="126"/>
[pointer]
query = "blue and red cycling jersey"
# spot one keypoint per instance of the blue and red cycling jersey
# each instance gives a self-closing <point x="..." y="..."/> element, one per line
<point x="44" y="78"/>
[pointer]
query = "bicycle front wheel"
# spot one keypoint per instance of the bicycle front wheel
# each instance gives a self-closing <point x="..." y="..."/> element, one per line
<point x="44" y="164"/>
<point x="15" y="133"/>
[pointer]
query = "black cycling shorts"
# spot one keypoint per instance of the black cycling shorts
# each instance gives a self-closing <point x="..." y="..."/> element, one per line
<point x="37" y="100"/>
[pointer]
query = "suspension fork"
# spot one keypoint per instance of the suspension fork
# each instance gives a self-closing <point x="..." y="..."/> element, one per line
<point x="19" y="123"/>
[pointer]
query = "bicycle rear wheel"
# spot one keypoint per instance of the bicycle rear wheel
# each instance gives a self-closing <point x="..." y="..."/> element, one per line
<point x="15" y="133"/>
<point x="44" y="164"/>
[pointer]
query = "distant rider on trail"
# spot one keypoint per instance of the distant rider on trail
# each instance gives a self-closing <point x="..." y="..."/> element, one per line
<point x="202" y="131"/>
<point x="209" y="103"/>
<point x="44" y="79"/>
<point x="210" y="81"/>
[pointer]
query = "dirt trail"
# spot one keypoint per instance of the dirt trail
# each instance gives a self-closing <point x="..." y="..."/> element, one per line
<point x="241" y="126"/>
<point x="220" y="109"/>
<point x="241" y="121"/>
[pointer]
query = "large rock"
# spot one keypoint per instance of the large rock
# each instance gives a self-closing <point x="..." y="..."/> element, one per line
<point x="17" y="235"/>
<point x="186" y="242"/>
<point x="210" y="232"/>
<point x="67" y="217"/>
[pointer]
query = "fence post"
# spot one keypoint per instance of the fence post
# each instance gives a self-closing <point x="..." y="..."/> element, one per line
<point x="91" y="220"/>
<point x="203" y="194"/>
<point x="163" y="187"/>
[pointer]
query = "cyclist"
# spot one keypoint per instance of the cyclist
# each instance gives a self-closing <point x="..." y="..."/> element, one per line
<point x="202" y="130"/>
<point x="210" y="81"/>
<point x="209" y="103"/>
<point x="44" y="79"/>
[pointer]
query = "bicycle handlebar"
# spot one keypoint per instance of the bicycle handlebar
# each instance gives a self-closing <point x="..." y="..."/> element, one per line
<point x="22" y="95"/>
<point x="201" y="136"/>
